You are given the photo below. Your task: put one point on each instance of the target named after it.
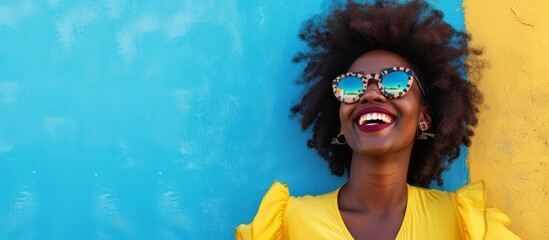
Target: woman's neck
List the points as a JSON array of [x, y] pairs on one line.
[[377, 184]]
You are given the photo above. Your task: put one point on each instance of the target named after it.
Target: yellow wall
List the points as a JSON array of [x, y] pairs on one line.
[[510, 151]]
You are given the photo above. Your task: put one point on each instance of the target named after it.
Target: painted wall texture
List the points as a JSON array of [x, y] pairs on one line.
[[148, 119], [510, 151]]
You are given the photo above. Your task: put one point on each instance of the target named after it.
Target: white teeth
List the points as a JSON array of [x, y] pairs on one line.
[[363, 119], [374, 116]]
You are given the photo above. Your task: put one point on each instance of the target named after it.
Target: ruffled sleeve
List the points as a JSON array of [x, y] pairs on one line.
[[267, 223], [481, 223]]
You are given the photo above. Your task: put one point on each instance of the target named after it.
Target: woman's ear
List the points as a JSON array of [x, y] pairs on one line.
[[425, 117]]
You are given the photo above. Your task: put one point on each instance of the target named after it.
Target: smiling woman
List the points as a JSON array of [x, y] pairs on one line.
[[401, 102]]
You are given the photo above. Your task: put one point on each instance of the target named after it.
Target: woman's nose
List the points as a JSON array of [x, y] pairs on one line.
[[372, 93]]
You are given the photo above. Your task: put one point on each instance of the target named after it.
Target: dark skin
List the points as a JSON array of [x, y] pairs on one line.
[[373, 202]]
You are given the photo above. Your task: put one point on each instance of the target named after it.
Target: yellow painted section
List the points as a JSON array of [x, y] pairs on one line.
[[510, 149]]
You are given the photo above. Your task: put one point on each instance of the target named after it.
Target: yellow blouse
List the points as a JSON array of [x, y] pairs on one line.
[[430, 214]]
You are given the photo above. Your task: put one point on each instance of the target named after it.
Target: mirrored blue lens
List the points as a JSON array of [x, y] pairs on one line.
[[395, 82], [350, 86]]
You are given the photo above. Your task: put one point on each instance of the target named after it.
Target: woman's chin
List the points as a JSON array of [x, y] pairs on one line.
[[372, 149]]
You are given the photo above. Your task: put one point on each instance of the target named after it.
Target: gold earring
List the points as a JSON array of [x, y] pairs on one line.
[[339, 139], [423, 126], [424, 135]]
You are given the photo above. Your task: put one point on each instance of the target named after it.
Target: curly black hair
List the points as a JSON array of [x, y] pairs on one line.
[[416, 32]]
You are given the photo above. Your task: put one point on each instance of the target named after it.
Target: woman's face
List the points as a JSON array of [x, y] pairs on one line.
[[400, 117]]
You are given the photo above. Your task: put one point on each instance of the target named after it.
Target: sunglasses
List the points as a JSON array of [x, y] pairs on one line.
[[392, 82]]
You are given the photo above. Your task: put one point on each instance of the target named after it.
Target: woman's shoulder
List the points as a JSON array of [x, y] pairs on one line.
[[278, 209], [310, 209], [311, 202], [469, 203]]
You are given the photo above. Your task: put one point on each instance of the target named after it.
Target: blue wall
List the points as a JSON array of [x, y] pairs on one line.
[[152, 119]]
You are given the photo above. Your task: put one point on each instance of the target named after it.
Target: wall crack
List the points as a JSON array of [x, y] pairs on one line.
[[520, 20]]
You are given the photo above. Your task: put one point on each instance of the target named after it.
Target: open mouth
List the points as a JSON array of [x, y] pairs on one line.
[[374, 119]]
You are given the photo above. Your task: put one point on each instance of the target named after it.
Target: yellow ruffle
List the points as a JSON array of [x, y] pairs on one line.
[[481, 223], [267, 223]]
